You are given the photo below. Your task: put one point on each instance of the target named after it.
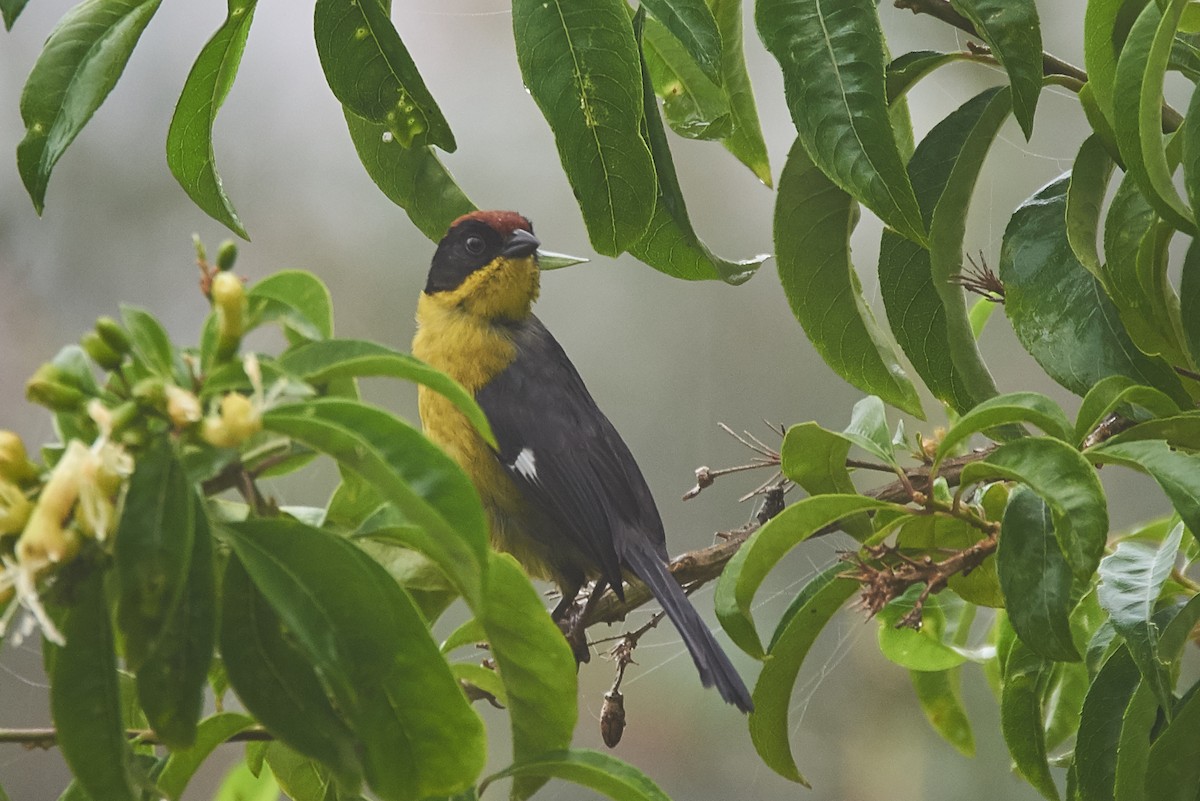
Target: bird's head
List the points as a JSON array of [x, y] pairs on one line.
[[486, 265]]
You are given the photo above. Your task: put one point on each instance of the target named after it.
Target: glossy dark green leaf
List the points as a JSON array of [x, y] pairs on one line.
[[813, 223], [1179, 431], [1106, 25], [1177, 473], [1100, 724], [1060, 312], [297, 299], [301, 778], [1021, 716], [85, 700], [695, 105], [692, 24], [10, 10], [1173, 769], [277, 683], [1131, 579], [769, 730], [670, 244], [1035, 578], [815, 458], [419, 736], [173, 677], [908, 68], [1137, 110], [591, 769], [152, 348], [926, 308], [1003, 410], [1064, 479], [580, 62], [1118, 393], [154, 546], [1012, 31], [535, 664], [1064, 699], [189, 139], [77, 68], [833, 69], [746, 142], [1190, 152], [407, 470], [762, 551], [915, 649], [1189, 300], [940, 695], [329, 360], [411, 177], [1090, 175], [371, 72], [181, 765]]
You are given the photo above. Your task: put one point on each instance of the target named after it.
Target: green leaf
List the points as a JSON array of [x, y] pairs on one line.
[[1035, 578], [1004, 410], [1063, 700], [813, 223], [1131, 579], [535, 664], [762, 551], [1106, 26], [172, 680], [77, 68], [370, 645], [372, 74], [322, 362], [579, 60], [1116, 393], [908, 68], [1025, 678], [833, 76], [915, 649], [746, 141], [1137, 110], [926, 307], [182, 765], [10, 10], [487, 680], [1189, 300], [301, 778], [940, 695], [1012, 31], [868, 429], [277, 683], [808, 615], [154, 545], [189, 139], [1191, 151], [693, 26], [1173, 770], [85, 700], [1100, 724], [296, 298], [408, 471], [1179, 431], [411, 177], [240, 784], [1085, 199], [1066, 482], [1060, 312], [152, 348], [695, 106], [1177, 473], [940, 534], [591, 769], [815, 458]]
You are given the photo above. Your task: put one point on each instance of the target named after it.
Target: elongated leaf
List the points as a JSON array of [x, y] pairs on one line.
[[1179, 431], [1085, 199], [591, 769], [536, 666], [1025, 677], [908, 68], [1106, 26], [1137, 110], [172, 680], [1068, 484], [297, 299], [1177, 473], [419, 735], [915, 649], [762, 551], [1014, 34], [793, 639], [1035, 578], [1189, 300], [10, 10], [1117, 392], [1060, 312], [1063, 701], [78, 66], [691, 22], [330, 360], [182, 765], [813, 223], [1191, 152], [695, 106], [85, 700], [277, 683], [407, 470], [833, 67], [1014, 407], [1131, 579], [580, 62], [152, 349], [189, 139], [1173, 770], [411, 177], [301, 778], [746, 141], [1100, 724], [940, 695], [371, 73], [815, 459], [154, 546]]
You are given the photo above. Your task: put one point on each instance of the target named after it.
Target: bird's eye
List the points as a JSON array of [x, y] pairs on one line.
[[475, 245]]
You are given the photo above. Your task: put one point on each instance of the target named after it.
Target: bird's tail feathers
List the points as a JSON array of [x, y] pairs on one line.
[[711, 661]]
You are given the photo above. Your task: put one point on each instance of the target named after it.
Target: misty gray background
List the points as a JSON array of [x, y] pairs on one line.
[[666, 359]]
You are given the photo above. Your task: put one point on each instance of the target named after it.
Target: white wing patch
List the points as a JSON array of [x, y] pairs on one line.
[[524, 465]]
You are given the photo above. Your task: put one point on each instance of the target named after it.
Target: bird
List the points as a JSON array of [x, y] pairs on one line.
[[562, 492]]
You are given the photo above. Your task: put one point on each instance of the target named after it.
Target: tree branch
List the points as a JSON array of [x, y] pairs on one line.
[[48, 738]]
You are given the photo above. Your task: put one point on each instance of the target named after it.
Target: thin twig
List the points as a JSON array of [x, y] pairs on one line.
[[48, 737]]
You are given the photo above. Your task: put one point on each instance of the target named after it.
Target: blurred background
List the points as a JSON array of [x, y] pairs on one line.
[[667, 360]]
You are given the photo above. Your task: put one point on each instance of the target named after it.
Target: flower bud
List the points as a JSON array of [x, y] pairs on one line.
[[227, 255], [114, 335], [229, 299], [48, 388], [100, 351], [183, 407], [150, 392], [238, 421], [14, 461], [44, 540], [15, 509]]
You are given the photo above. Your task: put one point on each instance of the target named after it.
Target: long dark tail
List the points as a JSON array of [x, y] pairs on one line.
[[712, 663]]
